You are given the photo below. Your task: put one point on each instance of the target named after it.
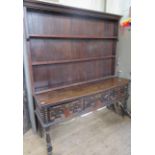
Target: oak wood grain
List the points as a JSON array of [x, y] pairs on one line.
[[71, 93]]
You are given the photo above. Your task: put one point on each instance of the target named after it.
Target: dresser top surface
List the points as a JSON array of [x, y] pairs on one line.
[[71, 93]]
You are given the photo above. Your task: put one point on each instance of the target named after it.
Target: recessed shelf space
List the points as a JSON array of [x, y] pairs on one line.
[[37, 91], [34, 36], [71, 61]]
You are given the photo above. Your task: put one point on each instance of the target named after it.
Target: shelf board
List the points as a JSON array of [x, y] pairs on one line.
[[71, 61], [72, 85], [34, 36]]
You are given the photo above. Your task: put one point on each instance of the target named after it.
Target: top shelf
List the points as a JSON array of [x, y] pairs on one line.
[[34, 36]]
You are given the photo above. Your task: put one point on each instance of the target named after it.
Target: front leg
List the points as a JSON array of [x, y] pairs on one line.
[[48, 141], [40, 129]]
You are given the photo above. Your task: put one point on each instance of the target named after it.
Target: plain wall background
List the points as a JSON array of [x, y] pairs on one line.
[[86, 4]]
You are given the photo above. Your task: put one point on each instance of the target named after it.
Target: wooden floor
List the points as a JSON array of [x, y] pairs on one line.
[[100, 133]]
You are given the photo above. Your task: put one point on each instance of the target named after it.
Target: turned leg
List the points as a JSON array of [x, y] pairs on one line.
[[48, 141], [126, 109], [40, 130]]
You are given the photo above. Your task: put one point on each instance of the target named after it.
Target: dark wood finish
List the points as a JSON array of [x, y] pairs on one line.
[[51, 76], [74, 84], [76, 48], [70, 61], [64, 104], [48, 141], [72, 56], [55, 50], [75, 92], [67, 37]]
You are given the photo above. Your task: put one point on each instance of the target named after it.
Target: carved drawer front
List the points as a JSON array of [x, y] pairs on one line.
[[65, 110], [97, 101], [84, 105], [105, 97], [93, 102], [56, 113], [73, 108]]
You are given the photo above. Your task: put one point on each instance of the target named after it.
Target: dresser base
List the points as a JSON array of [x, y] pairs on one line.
[[113, 97]]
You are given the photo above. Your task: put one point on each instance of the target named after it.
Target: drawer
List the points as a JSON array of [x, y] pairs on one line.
[[96, 101], [83, 105], [90, 101], [65, 110], [56, 113], [74, 106]]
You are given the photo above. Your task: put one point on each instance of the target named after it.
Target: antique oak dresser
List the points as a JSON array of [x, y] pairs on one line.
[[72, 55]]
